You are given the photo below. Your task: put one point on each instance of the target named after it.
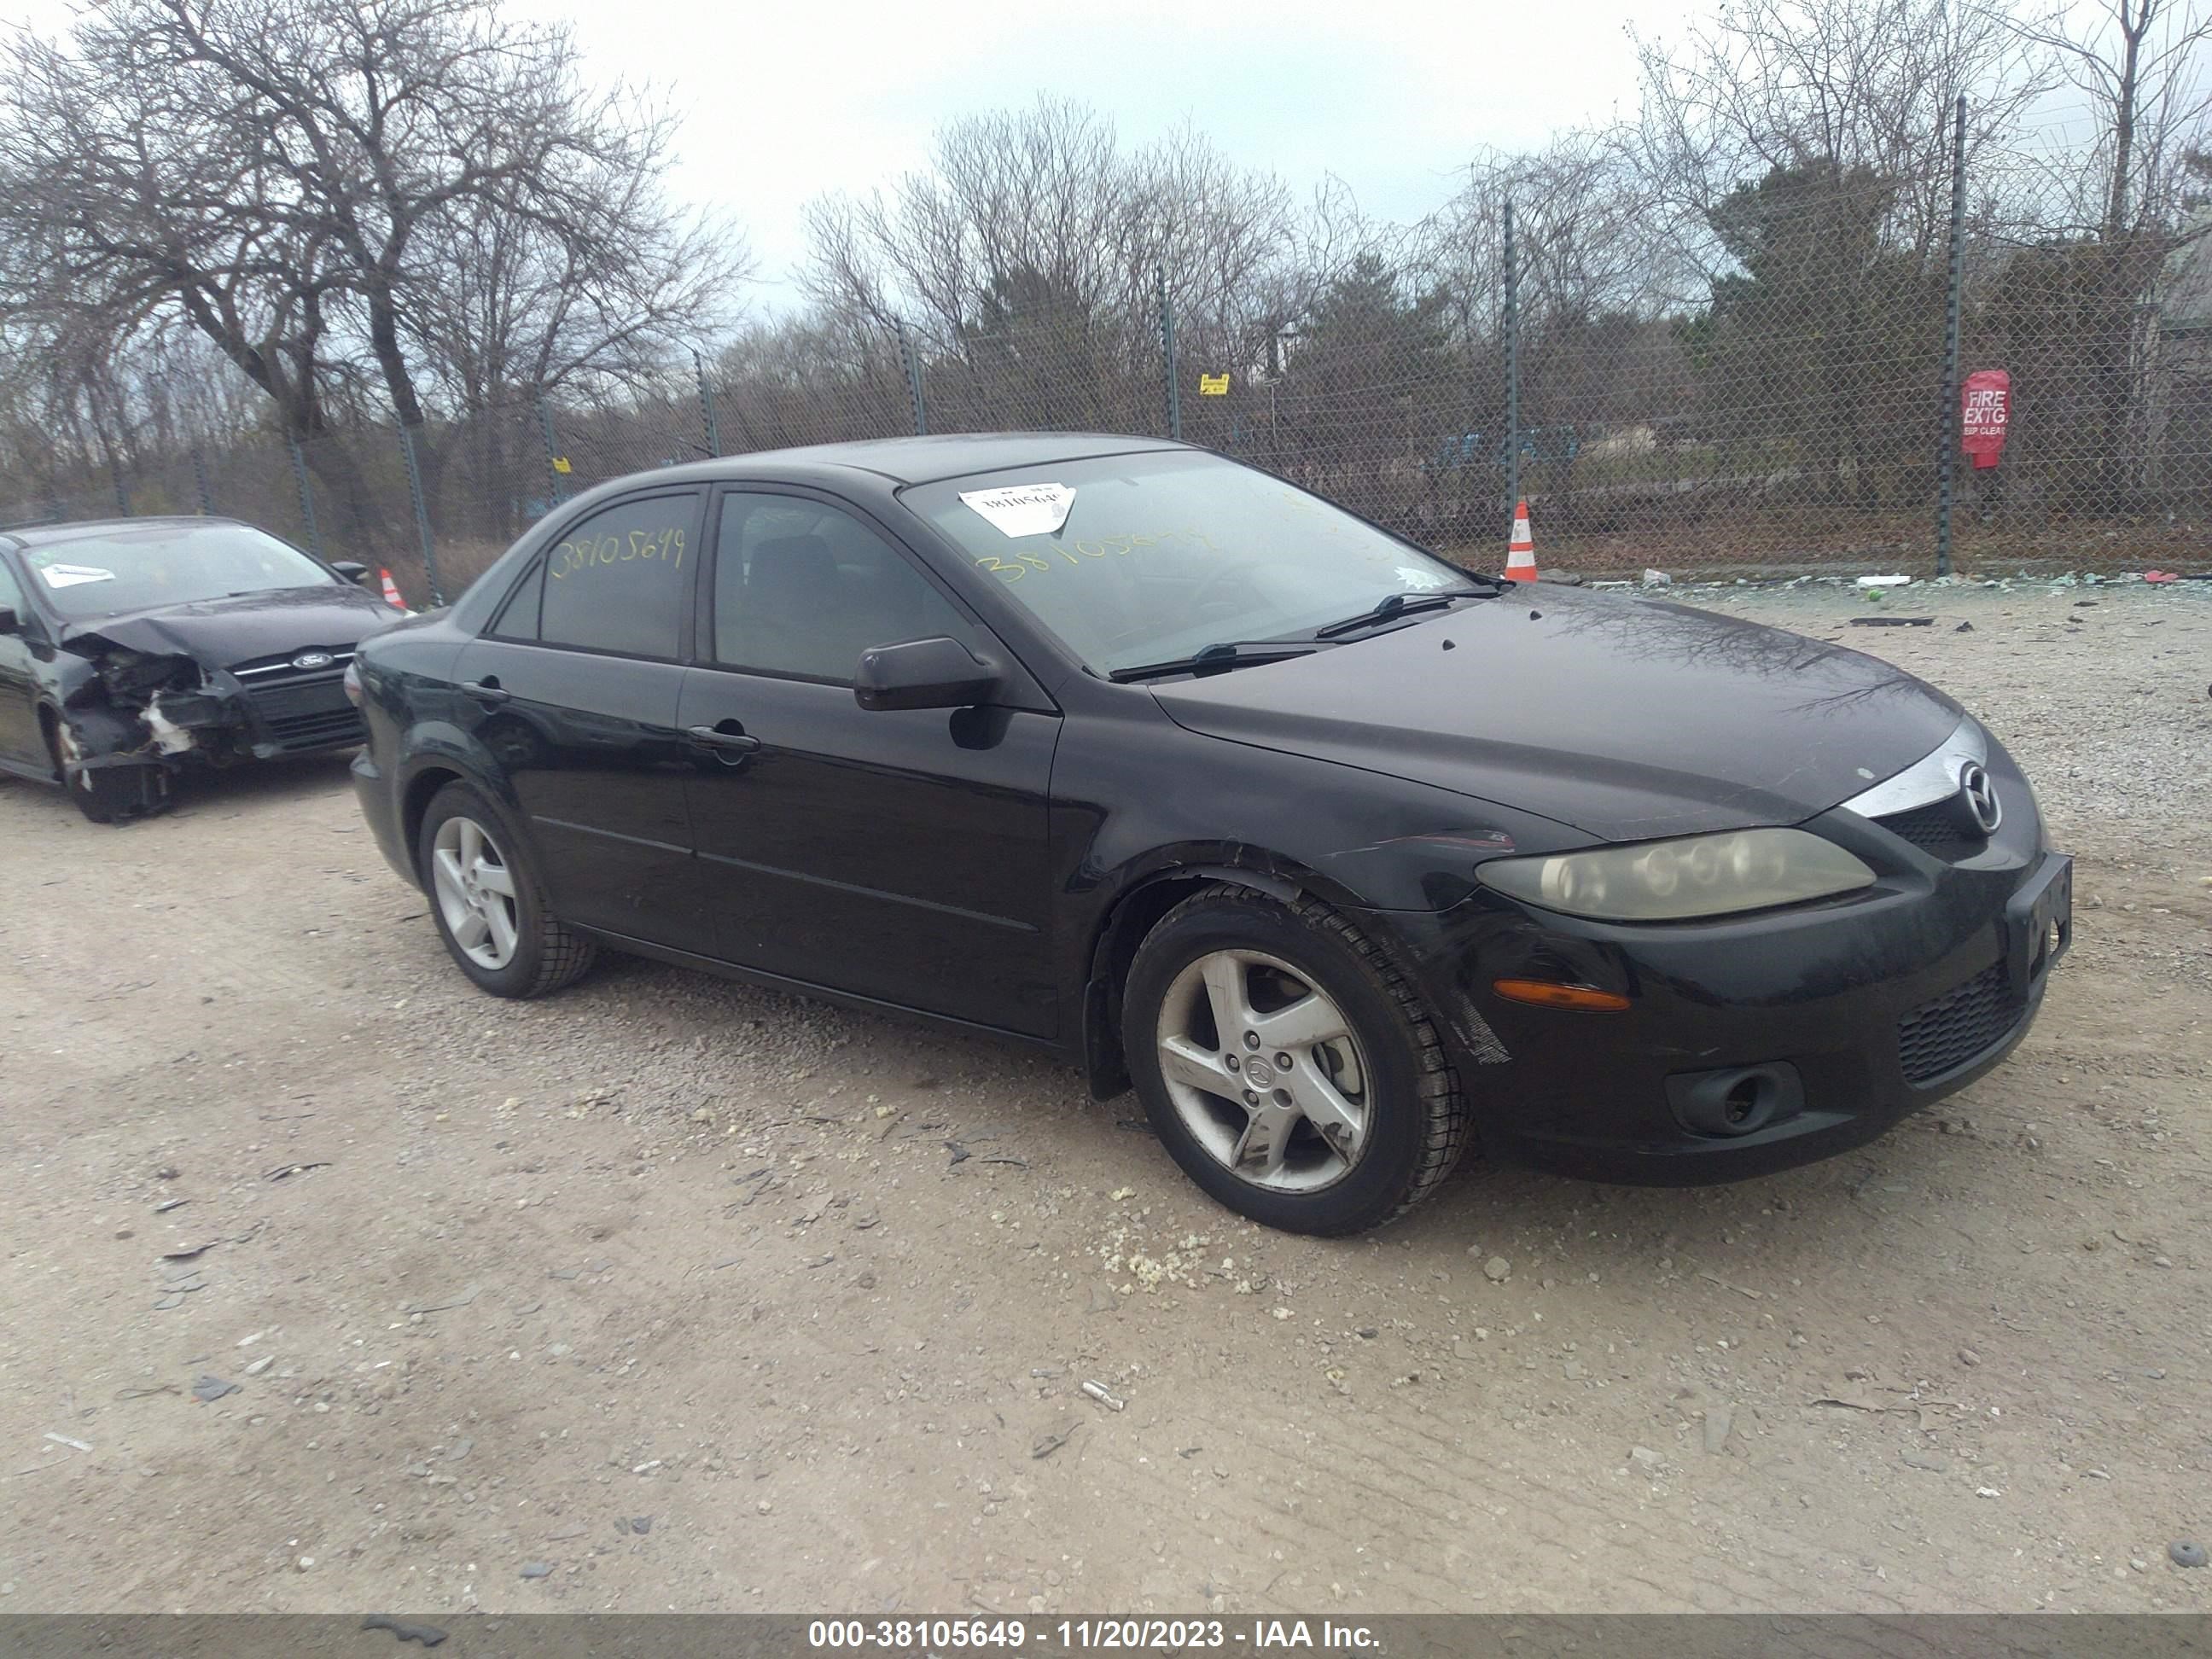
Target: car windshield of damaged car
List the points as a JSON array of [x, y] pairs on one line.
[[137, 567], [1137, 560]]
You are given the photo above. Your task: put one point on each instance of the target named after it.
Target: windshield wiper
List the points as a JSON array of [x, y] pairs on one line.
[[1217, 658], [1391, 607]]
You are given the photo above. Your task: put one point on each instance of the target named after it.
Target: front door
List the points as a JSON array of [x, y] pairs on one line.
[[22, 743], [572, 697], [898, 855]]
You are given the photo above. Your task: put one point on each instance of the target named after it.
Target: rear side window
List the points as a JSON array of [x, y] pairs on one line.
[[616, 581], [11, 596], [517, 620], [802, 588]]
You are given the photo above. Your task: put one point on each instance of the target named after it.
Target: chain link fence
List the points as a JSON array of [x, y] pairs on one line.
[[1791, 405]]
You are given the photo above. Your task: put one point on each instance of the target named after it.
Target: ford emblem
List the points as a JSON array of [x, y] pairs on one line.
[[310, 660]]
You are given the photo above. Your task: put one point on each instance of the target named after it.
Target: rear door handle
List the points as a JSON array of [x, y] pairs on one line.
[[708, 737], [486, 690]]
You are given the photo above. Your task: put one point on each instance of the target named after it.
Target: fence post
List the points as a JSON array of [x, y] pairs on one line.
[[122, 493], [200, 480], [552, 455], [1168, 358], [913, 367], [706, 407], [1948, 429], [307, 495], [1512, 367], [422, 512]]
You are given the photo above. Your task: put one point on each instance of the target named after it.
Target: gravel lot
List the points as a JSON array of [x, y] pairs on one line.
[[668, 1294]]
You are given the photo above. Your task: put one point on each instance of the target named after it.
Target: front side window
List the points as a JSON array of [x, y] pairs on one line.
[[120, 568], [802, 588], [616, 581], [1133, 559]]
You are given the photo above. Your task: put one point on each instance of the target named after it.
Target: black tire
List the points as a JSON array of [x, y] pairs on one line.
[[548, 954], [1417, 1121], [106, 795]]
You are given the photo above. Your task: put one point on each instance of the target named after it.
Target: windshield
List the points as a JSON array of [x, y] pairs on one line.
[[1138, 559], [136, 566]]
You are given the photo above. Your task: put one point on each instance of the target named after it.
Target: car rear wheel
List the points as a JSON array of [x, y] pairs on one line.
[[489, 903], [1287, 1066]]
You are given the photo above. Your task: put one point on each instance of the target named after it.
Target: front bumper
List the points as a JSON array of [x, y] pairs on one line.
[[1865, 1008]]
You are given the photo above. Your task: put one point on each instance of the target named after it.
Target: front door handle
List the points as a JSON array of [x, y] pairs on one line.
[[486, 690], [707, 737]]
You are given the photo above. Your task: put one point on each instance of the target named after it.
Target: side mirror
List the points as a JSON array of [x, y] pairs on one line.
[[352, 571], [933, 673], [10, 621]]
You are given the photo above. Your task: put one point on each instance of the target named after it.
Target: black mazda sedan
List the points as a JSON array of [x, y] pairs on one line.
[[131, 649], [1344, 858]]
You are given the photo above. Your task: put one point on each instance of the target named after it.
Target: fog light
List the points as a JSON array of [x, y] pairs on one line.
[[1738, 1101]]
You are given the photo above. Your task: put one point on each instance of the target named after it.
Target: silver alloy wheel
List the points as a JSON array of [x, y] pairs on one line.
[[476, 892], [1265, 1071]]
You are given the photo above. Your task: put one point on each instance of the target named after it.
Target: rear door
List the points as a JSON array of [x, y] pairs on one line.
[[899, 855], [573, 692]]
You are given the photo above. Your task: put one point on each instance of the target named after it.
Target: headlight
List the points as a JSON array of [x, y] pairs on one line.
[[1671, 880]]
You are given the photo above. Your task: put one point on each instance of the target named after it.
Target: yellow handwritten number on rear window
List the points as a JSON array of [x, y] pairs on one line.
[[664, 547]]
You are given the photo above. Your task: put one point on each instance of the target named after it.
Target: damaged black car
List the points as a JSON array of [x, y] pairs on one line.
[[134, 648]]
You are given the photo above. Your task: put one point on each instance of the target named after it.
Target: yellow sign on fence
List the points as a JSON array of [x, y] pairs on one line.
[[1213, 386], [560, 464]]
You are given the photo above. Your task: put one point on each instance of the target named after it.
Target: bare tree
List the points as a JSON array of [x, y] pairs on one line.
[[311, 184], [1861, 89], [2142, 65]]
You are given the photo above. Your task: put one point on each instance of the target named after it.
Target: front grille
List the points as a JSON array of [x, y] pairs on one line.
[[306, 711], [1936, 829], [278, 670], [1959, 1027]]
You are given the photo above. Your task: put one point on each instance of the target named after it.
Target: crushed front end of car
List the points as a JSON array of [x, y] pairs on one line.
[[139, 714]]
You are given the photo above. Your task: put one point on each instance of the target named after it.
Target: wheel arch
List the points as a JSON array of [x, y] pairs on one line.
[[422, 787], [1132, 915]]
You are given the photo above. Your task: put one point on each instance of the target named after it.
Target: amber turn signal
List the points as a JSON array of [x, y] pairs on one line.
[[1544, 993]]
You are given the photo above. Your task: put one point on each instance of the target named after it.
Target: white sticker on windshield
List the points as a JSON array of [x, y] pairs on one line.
[[1422, 581], [72, 575], [1030, 509]]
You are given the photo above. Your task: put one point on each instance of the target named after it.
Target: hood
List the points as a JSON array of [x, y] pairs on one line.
[[1625, 718], [222, 633]]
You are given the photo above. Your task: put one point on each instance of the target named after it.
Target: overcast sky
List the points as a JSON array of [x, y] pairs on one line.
[[785, 100]]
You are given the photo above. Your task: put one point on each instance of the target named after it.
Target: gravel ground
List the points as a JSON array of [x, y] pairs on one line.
[[335, 1284]]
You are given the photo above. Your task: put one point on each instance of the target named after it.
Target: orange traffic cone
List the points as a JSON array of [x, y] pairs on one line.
[[1520, 552], [390, 590]]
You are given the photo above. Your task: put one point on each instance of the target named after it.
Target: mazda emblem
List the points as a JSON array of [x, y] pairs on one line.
[[1977, 789], [310, 660]]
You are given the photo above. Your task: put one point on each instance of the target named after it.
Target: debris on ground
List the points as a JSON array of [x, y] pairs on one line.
[[536, 1569], [1884, 581], [208, 1388], [2183, 1553], [1099, 1392], [428, 1635], [1892, 622], [1053, 1439]]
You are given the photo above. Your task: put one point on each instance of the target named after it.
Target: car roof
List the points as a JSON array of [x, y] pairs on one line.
[[922, 460], [32, 535]]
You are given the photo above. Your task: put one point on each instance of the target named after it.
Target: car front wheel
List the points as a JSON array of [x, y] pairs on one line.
[[488, 903], [1287, 1066]]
